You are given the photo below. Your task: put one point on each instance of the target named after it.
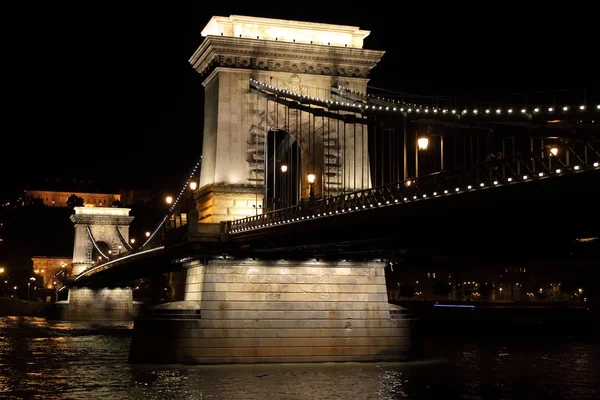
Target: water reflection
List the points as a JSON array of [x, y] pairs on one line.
[[57, 360]]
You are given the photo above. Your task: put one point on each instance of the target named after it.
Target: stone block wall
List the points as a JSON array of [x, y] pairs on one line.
[[277, 311], [99, 305]]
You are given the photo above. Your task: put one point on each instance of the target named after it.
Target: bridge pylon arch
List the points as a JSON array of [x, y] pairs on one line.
[[99, 230], [301, 57]]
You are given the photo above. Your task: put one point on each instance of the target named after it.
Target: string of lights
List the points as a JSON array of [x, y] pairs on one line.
[[412, 108], [262, 221], [174, 204]]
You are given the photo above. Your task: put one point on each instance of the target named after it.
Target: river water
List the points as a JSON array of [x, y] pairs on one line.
[[42, 359]]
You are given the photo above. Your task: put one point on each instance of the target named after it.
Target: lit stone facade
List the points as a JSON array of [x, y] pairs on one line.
[[306, 58], [245, 311], [109, 225], [98, 305], [59, 199], [51, 269]]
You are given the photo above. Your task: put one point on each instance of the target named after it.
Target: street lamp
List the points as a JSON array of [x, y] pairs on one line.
[[422, 144], [193, 211], [169, 199], [311, 180], [284, 197], [29, 286], [132, 240], [147, 233]]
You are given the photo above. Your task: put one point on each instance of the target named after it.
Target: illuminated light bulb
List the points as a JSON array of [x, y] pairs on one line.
[[582, 107], [469, 187], [510, 179], [554, 151], [445, 191], [475, 111], [523, 111], [596, 164], [551, 109], [464, 111], [482, 184], [536, 110], [558, 171], [453, 111], [457, 189], [444, 111], [524, 176], [510, 110], [487, 111], [576, 168], [565, 108], [495, 182], [598, 107]]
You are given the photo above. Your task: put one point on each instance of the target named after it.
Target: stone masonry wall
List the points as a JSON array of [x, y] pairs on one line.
[[278, 311]]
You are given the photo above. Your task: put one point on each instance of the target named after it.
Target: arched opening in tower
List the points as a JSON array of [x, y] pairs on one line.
[[96, 256], [283, 171]]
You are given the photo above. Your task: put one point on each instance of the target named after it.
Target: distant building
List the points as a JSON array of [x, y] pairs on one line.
[[51, 269], [59, 199], [55, 192]]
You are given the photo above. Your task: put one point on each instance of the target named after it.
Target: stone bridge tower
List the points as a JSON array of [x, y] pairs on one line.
[[302, 57], [98, 232]]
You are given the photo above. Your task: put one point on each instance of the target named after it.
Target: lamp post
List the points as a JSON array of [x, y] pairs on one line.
[[29, 286], [193, 211], [422, 144], [284, 198], [311, 185]]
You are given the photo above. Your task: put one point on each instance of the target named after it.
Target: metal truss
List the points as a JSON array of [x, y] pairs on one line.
[[532, 166]]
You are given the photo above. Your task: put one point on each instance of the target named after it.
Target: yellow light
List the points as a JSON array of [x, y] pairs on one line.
[[1, 270], [284, 168], [147, 234], [423, 142], [132, 240], [554, 151], [311, 178], [169, 199], [193, 185]]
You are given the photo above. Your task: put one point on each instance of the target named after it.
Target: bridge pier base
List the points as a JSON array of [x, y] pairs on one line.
[[85, 304], [246, 311]]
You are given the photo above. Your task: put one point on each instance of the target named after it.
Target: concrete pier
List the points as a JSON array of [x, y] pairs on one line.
[[252, 311], [86, 304]]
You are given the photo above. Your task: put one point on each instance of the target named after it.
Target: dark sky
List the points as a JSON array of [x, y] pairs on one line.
[[105, 91]]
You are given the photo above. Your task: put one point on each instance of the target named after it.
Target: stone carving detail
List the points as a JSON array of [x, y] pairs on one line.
[[293, 85]]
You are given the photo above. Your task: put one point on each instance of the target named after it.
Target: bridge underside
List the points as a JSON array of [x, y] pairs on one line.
[[530, 217]]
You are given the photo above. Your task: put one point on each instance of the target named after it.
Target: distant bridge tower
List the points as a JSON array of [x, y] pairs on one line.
[[99, 231], [240, 166]]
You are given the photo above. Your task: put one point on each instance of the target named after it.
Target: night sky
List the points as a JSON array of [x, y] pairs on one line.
[[106, 92]]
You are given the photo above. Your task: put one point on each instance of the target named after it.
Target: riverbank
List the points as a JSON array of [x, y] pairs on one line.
[[11, 306]]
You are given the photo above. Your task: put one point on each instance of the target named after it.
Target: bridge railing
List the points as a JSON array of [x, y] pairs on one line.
[[535, 165]]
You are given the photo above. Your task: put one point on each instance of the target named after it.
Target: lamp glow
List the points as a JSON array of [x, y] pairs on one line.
[[311, 178], [422, 143]]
